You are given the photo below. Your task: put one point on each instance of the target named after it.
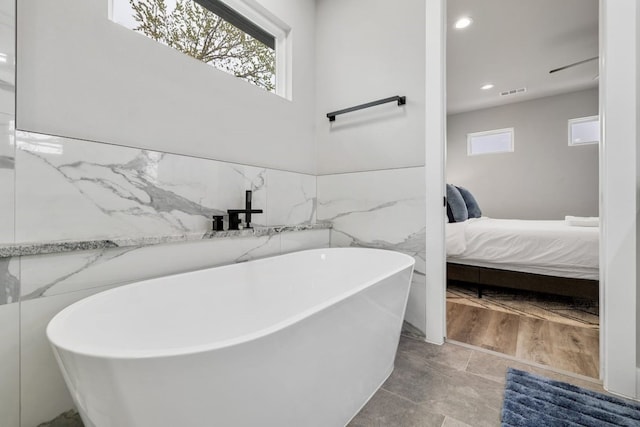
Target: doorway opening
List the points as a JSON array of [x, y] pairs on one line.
[[523, 236]]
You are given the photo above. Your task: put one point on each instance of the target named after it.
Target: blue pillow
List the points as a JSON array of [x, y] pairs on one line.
[[450, 217], [472, 205], [473, 208], [456, 204]]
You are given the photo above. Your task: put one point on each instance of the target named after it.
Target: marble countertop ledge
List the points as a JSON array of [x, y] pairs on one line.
[[41, 248]]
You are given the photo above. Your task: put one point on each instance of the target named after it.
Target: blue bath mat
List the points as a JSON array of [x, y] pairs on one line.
[[531, 400]]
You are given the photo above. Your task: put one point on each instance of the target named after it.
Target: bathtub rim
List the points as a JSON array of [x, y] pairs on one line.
[[218, 345]]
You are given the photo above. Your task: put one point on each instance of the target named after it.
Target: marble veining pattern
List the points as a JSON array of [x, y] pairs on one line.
[[68, 189], [291, 201], [46, 275], [7, 162], [380, 209], [54, 271], [9, 280]]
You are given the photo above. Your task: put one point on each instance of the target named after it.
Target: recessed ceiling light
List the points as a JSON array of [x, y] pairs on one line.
[[463, 22], [487, 86]]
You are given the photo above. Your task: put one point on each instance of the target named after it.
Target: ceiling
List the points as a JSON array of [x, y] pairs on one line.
[[514, 44]]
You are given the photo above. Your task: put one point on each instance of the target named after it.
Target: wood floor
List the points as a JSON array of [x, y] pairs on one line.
[[562, 346]]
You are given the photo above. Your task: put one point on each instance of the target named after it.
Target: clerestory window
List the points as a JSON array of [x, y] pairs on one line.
[[216, 33]]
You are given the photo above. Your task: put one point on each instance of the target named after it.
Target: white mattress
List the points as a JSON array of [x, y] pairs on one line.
[[542, 247]]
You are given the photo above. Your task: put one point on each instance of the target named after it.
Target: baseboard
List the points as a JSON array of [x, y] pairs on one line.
[[637, 396]]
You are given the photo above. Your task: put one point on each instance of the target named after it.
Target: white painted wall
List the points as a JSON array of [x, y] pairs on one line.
[[544, 177], [638, 200], [83, 76], [436, 153], [619, 199], [368, 50], [362, 57]]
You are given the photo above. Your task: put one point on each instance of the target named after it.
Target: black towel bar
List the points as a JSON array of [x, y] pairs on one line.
[[401, 101]]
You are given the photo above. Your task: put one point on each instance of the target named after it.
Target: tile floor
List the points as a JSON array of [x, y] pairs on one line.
[[445, 386], [439, 386]]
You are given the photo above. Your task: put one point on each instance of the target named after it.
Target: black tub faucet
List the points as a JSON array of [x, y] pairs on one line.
[[217, 223], [234, 214]]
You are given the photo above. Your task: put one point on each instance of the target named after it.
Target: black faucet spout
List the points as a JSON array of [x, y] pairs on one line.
[[234, 217], [234, 214]]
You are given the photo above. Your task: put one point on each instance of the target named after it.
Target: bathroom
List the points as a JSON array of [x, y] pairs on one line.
[[116, 151], [144, 144]]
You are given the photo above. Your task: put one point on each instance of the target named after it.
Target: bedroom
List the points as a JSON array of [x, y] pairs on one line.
[[540, 176]]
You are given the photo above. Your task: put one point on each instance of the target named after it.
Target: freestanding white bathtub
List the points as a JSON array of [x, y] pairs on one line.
[[303, 339]]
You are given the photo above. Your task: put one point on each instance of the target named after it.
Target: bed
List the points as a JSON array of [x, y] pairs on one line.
[[542, 256]]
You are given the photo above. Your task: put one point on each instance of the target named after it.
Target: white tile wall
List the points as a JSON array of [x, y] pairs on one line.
[[9, 271], [43, 393], [291, 199], [9, 365], [380, 209], [7, 160], [7, 61], [51, 282], [299, 241], [71, 189], [9, 280], [45, 275]]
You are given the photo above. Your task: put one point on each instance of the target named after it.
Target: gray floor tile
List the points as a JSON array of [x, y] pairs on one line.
[[450, 422], [444, 390], [388, 410], [495, 368], [453, 356], [68, 419]]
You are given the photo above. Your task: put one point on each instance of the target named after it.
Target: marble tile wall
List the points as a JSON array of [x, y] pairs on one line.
[[9, 365], [67, 189], [7, 118], [7, 56], [9, 271], [7, 162], [72, 189], [380, 209], [43, 393], [54, 274], [51, 282]]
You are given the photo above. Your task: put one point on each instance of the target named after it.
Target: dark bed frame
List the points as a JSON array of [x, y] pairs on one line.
[[482, 276]]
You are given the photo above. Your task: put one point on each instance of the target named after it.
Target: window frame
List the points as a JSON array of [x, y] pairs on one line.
[[260, 18], [570, 122], [472, 135], [265, 19]]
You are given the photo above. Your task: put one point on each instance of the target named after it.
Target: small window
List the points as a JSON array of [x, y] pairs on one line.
[[584, 130], [216, 34], [490, 142]]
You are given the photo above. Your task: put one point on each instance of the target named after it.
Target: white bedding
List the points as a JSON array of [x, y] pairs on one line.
[[543, 247]]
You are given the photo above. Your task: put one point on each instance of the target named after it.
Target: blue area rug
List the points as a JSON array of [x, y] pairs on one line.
[[531, 400]]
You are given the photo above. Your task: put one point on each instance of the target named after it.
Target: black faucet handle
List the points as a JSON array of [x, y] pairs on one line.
[[243, 211], [234, 219], [217, 223]]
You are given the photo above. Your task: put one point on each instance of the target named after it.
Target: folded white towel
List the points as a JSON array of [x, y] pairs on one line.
[[582, 221]]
